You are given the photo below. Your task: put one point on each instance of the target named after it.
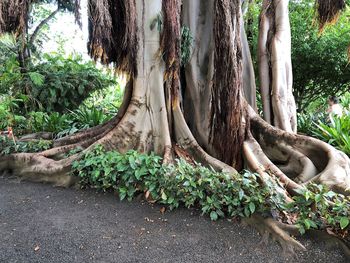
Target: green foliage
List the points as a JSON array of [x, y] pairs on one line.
[[48, 122], [318, 208], [335, 133], [307, 122], [58, 124], [8, 118], [333, 130], [62, 124], [320, 62], [8, 146], [186, 45], [218, 194], [55, 83], [67, 82]]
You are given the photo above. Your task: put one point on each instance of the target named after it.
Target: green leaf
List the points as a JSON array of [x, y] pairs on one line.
[[164, 197], [318, 198], [240, 194], [213, 216], [252, 207], [36, 78], [246, 211], [344, 222], [301, 229]]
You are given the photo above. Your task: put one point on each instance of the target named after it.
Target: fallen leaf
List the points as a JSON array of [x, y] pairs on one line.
[[162, 210], [36, 248]]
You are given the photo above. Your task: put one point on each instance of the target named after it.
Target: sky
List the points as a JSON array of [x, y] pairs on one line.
[[65, 27]]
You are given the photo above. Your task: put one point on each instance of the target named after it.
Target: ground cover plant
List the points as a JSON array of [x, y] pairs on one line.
[[217, 194]]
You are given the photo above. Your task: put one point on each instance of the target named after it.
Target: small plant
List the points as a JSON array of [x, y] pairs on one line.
[[319, 208], [217, 194], [86, 117], [336, 133], [9, 146], [55, 83]]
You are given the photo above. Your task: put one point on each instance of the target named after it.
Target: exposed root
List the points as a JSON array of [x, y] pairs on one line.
[[186, 140], [168, 155], [321, 163], [37, 136], [332, 240], [258, 162], [268, 227], [37, 168]]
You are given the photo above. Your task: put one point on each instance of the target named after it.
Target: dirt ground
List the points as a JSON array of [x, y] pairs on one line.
[[40, 223]]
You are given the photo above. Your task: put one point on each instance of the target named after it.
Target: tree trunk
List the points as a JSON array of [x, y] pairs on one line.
[[275, 66]]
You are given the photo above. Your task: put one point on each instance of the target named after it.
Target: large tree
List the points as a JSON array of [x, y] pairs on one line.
[[205, 109]]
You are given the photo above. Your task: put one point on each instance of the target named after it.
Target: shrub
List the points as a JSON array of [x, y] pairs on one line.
[[8, 146], [318, 208], [8, 117], [336, 133], [66, 82], [54, 84], [217, 194]]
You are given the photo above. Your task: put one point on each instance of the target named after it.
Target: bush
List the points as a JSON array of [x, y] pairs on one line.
[[336, 133], [8, 117], [8, 146], [66, 82], [54, 84], [60, 124], [317, 208], [218, 194]]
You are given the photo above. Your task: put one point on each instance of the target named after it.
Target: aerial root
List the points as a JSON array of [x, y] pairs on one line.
[[269, 227]]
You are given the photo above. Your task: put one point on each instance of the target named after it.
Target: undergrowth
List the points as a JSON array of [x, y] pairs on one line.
[[217, 194], [8, 146]]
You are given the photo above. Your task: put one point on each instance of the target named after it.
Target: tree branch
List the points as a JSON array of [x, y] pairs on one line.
[[40, 26]]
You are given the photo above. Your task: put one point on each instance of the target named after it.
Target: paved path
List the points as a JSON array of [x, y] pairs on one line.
[[40, 223]]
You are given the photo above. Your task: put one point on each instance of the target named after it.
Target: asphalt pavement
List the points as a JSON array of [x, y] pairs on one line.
[[41, 223]]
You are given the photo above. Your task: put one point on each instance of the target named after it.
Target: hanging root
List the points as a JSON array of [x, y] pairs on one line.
[[328, 12], [226, 106], [13, 16], [113, 34]]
